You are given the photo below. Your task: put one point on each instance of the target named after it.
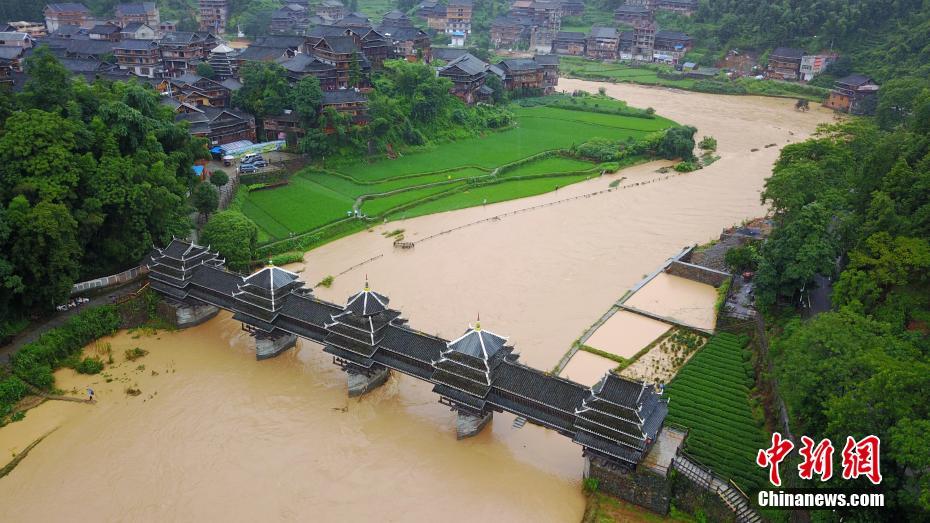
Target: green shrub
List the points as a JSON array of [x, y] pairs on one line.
[[135, 353], [287, 257], [35, 362], [708, 143], [326, 282], [686, 167], [591, 485], [89, 366]]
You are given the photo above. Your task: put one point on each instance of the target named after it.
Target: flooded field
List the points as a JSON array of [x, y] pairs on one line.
[[681, 299], [587, 368], [217, 436], [626, 333]]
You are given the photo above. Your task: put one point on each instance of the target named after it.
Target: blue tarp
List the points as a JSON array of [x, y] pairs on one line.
[[198, 170], [216, 150]]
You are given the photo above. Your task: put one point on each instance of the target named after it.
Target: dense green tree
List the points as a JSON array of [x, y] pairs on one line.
[[234, 235], [355, 71], [796, 252], [91, 176], [206, 70], [265, 90], [677, 142], [500, 94], [219, 178], [307, 100], [205, 198]]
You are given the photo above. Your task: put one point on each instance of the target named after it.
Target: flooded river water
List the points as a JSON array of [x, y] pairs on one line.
[[215, 435]]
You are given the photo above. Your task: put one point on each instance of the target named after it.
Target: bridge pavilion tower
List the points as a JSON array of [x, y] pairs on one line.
[[463, 375], [259, 299], [353, 337], [170, 271]]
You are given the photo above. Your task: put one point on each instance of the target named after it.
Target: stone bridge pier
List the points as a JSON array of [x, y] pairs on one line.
[[271, 345], [361, 381], [468, 424], [187, 313]]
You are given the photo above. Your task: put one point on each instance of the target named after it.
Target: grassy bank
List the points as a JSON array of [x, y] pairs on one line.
[[519, 162], [662, 75]]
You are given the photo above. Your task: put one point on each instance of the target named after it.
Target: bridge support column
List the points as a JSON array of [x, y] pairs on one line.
[[361, 382], [468, 425], [183, 315], [271, 345]]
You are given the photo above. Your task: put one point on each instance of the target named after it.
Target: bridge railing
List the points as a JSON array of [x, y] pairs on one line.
[[109, 281]]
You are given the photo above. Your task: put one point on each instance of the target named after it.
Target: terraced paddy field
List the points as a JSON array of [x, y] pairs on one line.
[[449, 176], [710, 396]]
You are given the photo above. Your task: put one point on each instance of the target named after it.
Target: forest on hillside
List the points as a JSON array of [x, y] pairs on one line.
[[853, 204]]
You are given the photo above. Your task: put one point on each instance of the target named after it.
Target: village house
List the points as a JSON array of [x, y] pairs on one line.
[[290, 18], [304, 65], [812, 65], [268, 49], [285, 126], [213, 15], [603, 43], [14, 39], [108, 31], [168, 26], [468, 75], [671, 46], [138, 31], [550, 67], [458, 16], [854, 94], [331, 10], [340, 52], [547, 18], [142, 13], [396, 18], [11, 60], [434, 13], [570, 43], [512, 32], [141, 57], [219, 125], [685, 7], [354, 19], [351, 102], [784, 64], [77, 14], [80, 47], [33, 29], [627, 14], [179, 49], [196, 90], [521, 74], [409, 43], [374, 46], [572, 7]]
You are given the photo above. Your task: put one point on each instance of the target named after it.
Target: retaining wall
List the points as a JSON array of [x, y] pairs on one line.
[[641, 487], [697, 273]]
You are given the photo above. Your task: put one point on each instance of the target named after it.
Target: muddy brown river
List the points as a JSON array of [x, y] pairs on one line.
[[215, 435]]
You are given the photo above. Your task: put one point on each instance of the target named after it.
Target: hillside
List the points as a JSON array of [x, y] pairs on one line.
[[883, 39]]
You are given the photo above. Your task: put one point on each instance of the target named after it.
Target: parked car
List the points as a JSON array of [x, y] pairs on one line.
[[247, 168], [252, 158]]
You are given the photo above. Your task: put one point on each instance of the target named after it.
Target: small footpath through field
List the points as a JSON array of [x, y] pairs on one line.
[[495, 167]]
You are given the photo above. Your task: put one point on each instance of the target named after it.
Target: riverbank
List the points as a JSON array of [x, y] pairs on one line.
[[282, 432]]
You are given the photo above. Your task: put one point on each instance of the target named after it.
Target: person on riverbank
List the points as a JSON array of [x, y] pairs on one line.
[[90, 394]]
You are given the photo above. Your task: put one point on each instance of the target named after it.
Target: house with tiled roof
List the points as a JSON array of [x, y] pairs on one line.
[[68, 13], [468, 74]]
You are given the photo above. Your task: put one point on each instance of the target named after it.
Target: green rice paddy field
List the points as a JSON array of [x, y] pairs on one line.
[[574, 66], [388, 188]]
